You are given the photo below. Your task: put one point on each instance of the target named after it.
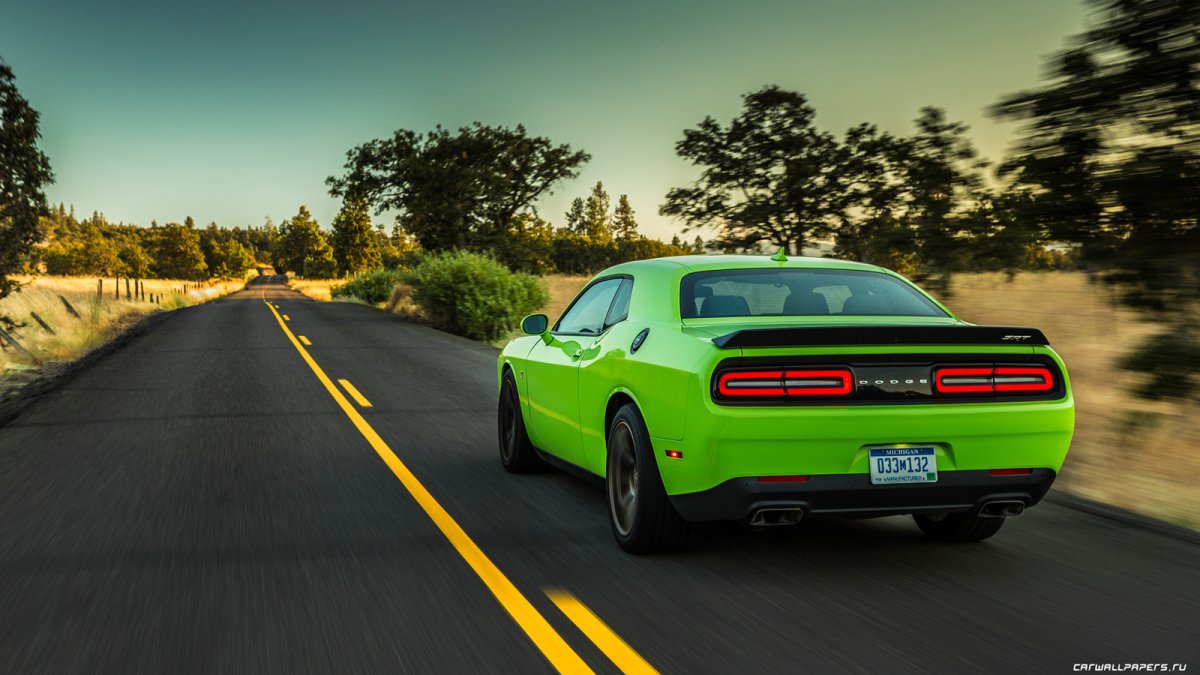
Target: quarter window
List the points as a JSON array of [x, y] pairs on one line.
[[586, 315]]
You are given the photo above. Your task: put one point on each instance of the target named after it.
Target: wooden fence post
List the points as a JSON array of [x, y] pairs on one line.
[[16, 345], [99, 289], [42, 323], [128, 293], [117, 287], [68, 306]]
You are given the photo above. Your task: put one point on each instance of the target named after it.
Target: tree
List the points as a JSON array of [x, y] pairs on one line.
[[457, 190], [24, 173], [355, 244], [575, 219], [176, 252], [941, 174], [597, 221], [1109, 154], [769, 175], [624, 225], [302, 249]]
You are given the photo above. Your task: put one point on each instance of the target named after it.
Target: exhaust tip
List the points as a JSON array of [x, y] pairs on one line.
[[1005, 508], [775, 517]]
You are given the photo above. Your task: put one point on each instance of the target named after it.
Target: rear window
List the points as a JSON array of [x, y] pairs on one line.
[[800, 292]]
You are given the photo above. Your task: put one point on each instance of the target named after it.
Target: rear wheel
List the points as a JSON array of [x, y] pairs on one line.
[[642, 517], [958, 527], [517, 453]]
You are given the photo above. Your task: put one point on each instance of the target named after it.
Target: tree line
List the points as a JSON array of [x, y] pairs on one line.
[[1104, 175]]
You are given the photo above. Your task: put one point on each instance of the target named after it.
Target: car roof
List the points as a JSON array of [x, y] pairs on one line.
[[700, 263]]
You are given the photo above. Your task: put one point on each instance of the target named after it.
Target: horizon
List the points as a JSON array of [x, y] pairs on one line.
[[233, 114]]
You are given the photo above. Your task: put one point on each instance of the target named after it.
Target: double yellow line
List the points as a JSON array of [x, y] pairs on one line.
[[539, 630]]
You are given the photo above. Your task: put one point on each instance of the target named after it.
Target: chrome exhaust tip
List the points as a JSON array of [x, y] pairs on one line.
[[1004, 508], [775, 517]]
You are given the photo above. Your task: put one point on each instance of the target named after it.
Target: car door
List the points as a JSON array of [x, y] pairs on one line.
[[552, 371]]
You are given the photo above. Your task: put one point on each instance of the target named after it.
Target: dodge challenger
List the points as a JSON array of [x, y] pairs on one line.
[[767, 389]]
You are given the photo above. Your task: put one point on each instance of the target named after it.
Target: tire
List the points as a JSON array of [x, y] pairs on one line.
[[517, 453], [642, 517], [958, 527]]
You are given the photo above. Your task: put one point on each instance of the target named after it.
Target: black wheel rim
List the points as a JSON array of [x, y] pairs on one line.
[[622, 477]]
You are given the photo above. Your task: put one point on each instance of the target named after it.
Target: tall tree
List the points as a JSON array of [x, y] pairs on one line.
[[355, 243], [24, 173], [457, 190], [302, 249], [176, 252], [1110, 154], [943, 178], [624, 224], [575, 219], [770, 175], [597, 219]]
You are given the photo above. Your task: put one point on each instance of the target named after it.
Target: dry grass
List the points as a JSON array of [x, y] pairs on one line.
[[317, 289], [1132, 453], [99, 320]]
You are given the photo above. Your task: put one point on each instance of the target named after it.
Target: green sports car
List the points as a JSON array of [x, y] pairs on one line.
[[765, 389]]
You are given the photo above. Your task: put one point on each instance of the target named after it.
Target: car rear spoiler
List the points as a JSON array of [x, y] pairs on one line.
[[796, 336]]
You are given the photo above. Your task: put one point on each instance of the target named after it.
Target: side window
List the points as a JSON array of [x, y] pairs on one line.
[[620, 306], [587, 315]]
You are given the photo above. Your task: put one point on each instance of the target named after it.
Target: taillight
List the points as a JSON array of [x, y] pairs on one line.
[[836, 382], [786, 383], [963, 380], [1024, 378], [1000, 379], [751, 383]]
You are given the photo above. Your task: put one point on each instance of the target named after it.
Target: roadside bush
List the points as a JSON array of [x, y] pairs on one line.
[[371, 287], [473, 295]]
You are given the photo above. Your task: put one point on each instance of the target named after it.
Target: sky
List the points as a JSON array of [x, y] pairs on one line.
[[232, 111]]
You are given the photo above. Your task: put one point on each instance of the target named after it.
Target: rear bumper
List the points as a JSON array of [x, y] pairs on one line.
[[854, 495]]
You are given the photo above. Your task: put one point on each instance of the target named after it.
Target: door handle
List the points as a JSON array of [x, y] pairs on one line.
[[578, 353]]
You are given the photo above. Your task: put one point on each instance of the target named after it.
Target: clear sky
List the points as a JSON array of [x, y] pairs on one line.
[[232, 110]]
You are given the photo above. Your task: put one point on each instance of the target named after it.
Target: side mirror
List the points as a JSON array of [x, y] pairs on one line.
[[535, 324]]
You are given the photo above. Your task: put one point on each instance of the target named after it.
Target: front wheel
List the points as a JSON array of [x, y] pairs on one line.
[[958, 527], [642, 517], [517, 453]]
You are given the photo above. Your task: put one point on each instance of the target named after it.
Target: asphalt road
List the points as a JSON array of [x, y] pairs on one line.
[[198, 501]]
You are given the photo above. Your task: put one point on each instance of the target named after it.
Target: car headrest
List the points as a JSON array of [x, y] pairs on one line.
[[806, 304], [724, 305], [867, 305]]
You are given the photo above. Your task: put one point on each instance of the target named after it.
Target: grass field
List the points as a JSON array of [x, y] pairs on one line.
[[1128, 452], [99, 318]]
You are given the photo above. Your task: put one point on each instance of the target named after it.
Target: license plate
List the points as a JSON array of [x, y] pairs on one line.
[[903, 465]]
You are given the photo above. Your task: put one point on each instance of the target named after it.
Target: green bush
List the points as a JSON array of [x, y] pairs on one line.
[[474, 295], [371, 287]]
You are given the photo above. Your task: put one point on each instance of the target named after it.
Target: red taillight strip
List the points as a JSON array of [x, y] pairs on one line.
[[1037, 378], [818, 382], [963, 380], [823, 382], [751, 383]]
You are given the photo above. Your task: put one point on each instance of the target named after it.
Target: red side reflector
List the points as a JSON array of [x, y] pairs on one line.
[[782, 479], [963, 380], [1010, 472], [675, 454], [1035, 378], [818, 382]]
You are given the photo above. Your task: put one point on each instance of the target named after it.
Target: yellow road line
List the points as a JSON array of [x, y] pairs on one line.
[[355, 394], [616, 649], [543, 635], [286, 317], [304, 340]]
